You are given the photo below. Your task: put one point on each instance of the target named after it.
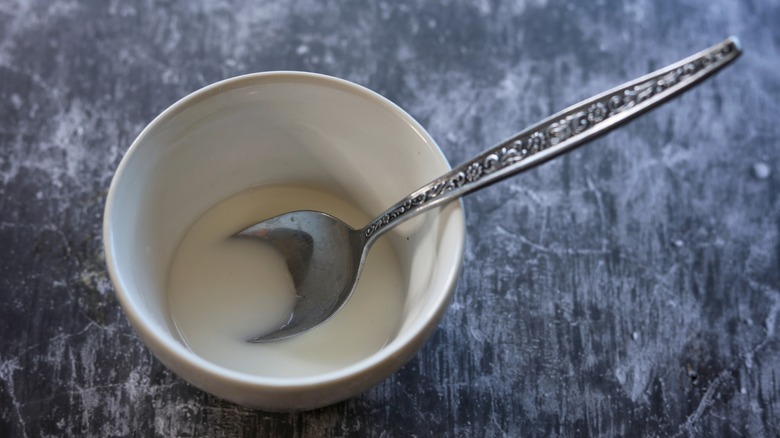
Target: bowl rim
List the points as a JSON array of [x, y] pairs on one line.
[[180, 355]]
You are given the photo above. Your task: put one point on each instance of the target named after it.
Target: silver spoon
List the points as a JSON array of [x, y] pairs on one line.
[[325, 255]]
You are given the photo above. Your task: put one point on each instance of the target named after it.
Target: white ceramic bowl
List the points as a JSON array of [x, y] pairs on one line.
[[277, 128]]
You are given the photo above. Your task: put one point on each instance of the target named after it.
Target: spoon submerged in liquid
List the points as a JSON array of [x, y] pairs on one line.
[[325, 256]]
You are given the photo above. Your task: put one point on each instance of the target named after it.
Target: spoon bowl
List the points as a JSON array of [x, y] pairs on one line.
[[314, 262], [325, 255]]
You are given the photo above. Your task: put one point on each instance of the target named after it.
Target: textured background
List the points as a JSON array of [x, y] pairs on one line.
[[629, 288]]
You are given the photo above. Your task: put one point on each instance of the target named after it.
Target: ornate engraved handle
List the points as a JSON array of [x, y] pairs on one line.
[[559, 133]]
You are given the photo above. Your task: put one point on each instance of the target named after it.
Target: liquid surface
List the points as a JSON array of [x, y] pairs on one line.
[[223, 291]]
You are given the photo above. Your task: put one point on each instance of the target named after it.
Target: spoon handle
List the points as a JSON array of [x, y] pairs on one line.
[[559, 133]]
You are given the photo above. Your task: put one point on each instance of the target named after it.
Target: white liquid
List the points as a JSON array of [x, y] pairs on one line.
[[223, 291]]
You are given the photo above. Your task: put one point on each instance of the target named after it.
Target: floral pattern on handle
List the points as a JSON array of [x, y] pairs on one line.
[[560, 128]]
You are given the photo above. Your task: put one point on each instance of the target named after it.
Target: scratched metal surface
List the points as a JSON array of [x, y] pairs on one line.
[[629, 288]]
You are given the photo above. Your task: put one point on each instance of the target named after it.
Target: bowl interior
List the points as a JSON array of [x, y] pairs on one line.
[[276, 128]]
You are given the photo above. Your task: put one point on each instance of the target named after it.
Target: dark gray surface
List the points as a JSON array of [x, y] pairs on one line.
[[629, 288]]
